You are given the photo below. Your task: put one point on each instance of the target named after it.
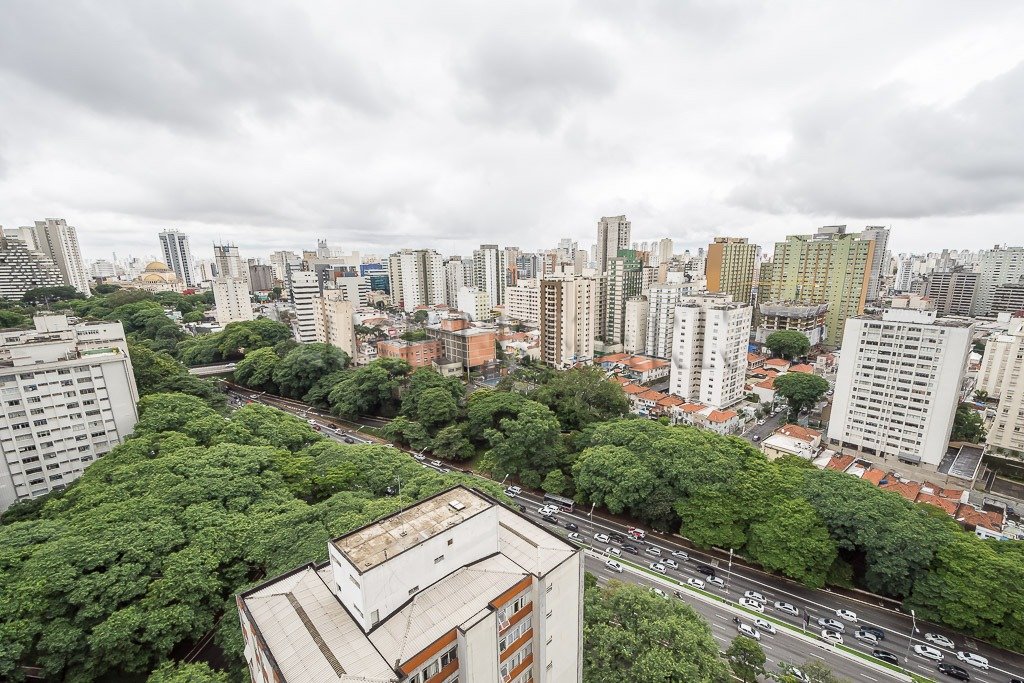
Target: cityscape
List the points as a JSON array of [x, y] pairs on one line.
[[769, 433]]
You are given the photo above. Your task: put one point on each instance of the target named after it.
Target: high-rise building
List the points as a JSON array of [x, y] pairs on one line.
[[22, 268], [809, 320], [69, 397], [729, 267], [664, 250], [879, 257], [904, 274], [261, 277], [997, 266], [831, 266], [490, 272], [709, 349], [231, 299], [332, 320], [634, 335], [953, 292], [1008, 298], [284, 261], [58, 240], [458, 273], [455, 587], [663, 300], [177, 254], [612, 234], [622, 281], [568, 320], [475, 303], [898, 384], [229, 262], [303, 291], [522, 302], [1002, 376], [417, 278]]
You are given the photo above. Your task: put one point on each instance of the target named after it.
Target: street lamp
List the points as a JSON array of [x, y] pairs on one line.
[[910, 636], [591, 539], [398, 479], [728, 574]]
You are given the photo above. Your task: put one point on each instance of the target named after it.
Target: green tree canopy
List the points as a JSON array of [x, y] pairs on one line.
[[297, 372], [369, 390], [788, 343], [528, 445], [156, 372], [256, 370], [800, 389], [746, 658], [967, 424], [199, 672], [792, 539], [451, 443], [582, 396], [42, 295]]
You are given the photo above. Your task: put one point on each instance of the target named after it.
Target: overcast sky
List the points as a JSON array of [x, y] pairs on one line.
[[379, 125]]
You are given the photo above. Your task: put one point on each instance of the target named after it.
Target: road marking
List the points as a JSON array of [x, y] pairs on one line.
[[870, 678]]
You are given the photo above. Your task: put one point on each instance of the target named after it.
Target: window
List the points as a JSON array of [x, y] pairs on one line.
[[439, 558]]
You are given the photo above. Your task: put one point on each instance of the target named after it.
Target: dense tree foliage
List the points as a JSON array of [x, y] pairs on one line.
[[48, 295], [233, 342], [142, 554], [200, 672], [298, 371], [788, 343], [746, 659], [156, 372], [630, 634], [967, 424], [801, 390], [582, 396]]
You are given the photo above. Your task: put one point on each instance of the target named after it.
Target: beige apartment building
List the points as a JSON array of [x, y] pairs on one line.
[[729, 267], [568, 320]]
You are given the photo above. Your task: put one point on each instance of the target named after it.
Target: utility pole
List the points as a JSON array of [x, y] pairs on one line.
[[910, 636], [728, 574]]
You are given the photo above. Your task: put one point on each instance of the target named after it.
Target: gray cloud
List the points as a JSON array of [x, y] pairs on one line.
[[876, 154]]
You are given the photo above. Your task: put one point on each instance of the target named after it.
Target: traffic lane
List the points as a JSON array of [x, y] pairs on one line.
[[771, 423], [779, 648], [805, 598]]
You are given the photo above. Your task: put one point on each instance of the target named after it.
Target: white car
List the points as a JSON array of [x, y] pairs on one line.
[[658, 567], [660, 593], [601, 538], [752, 604], [765, 625], [760, 422], [695, 583], [614, 566], [651, 550], [716, 581], [679, 554], [573, 536], [672, 564], [754, 595], [312, 422], [638, 534], [928, 652], [846, 615], [749, 631], [864, 636], [421, 458], [786, 607], [940, 640], [832, 625], [513, 490], [831, 637], [436, 463], [972, 659], [612, 550], [547, 510]]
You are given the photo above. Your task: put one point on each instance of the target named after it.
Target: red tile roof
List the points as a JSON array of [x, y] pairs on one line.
[[612, 358], [671, 401], [766, 384], [839, 463], [798, 432], [949, 506], [778, 362], [803, 367], [755, 357], [910, 490], [971, 516], [721, 415], [634, 389], [652, 395], [874, 475], [693, 407], [619, 379]]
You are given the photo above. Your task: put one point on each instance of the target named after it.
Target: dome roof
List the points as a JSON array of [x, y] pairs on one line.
[[157, 267]]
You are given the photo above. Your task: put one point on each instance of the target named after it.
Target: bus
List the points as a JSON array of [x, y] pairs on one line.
[[566, 504]]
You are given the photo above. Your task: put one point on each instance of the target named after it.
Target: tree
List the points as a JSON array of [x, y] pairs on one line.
[[451, 443], [800, 389], [297, 372], [436, 407], [10, 319], [156, 373], [630, 634], [582, 396], [792, 538], [529, 445], [746, 658], [198, 672], [44, 295], [555, 482], [369, 390], [967, 424], [817, 672], [787, 343], [420, 382], [256, 370], [420, 316], [413, 335]]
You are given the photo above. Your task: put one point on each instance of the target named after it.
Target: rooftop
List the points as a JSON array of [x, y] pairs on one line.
[[798, 432], [802, 367], [721, 415]]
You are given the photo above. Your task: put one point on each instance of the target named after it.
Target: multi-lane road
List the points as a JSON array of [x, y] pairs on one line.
[[815, 603]]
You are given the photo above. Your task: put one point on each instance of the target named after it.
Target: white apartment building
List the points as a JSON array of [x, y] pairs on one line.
[[612, 234], [522, 302], [475, 303], [333, 322], [67, 396], [177, 254], [417, 278], [304, 289], [231, 299], [999, 364], [879, 258], [568, 320], [23, 268], [634, 338], [898, 385], [229, 262], [455, 588], [663, 299], [283, 262], [490, 271], [709, 350], [58, 240], [997, 266], [458, 273]]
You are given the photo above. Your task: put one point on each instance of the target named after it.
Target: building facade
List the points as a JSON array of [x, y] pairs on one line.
[[663, 300], [1002, 375], [729, 267], [522, 302], [303, 291], [475, 303], [621, 282], [231, 299], [455, 588], [261, 277], [417, 278], [997, 266], [58, 240], [634, 335], [419, 354], [23, 268], [898, 385], [178, 255], [490, 271], [612, 234], [1008, 298], [568, 320], [333, 321], [460, 342], [879, 257], [709, 350], [67, 396], [953, 292], [808, 319]]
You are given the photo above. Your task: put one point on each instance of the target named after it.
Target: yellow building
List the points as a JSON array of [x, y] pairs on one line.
[[730, 267]]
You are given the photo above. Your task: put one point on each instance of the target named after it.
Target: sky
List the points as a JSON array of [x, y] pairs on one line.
[[378, 126]]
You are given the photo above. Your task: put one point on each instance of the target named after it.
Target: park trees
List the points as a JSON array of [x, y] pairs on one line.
[[801, 390], [582, 396], [746, 659], [256, 370], [304, 365], [528, 445], [788, 343]]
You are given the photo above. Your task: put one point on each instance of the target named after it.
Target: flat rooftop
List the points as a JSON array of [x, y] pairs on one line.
[[374, 544]]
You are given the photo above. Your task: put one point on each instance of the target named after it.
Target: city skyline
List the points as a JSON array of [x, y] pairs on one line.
[[695, 122]]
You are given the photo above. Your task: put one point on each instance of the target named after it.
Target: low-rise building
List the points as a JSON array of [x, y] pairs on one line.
[[723, 422], [792, 439], [463, 343], [641, 369], [809, 320], [418, 354]]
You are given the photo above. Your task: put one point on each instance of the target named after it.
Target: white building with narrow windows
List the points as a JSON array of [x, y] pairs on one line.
[[58, 240], [455, 588], [898, 385], [67, 396], [333, 323]]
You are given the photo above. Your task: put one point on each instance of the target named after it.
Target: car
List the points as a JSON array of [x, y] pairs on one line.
[[754, 595], [651, 550], [631, 549], [765, 625], [612, 550], [616, 537], [793, 672], [977, 661], [547, 510], [831, 624], [349, 439], [705, 569], [954, 671], [748, 631], [680, 555], [638, 534], [864, 636], [671, 564], [786, 607], [760, 422], [751, 604], [614, 566], [436, 463], [522, 508], [514, 490], [575, 537], [571, 527], [601, 538], [312, 422], [660, 593], [928, 652], [756, 438], [715, 581], [549, 518], [940, 640], [873, 630], [421, 457], [830, 636], [886, 656], [658, 567], [695, 583], [846, 615]]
